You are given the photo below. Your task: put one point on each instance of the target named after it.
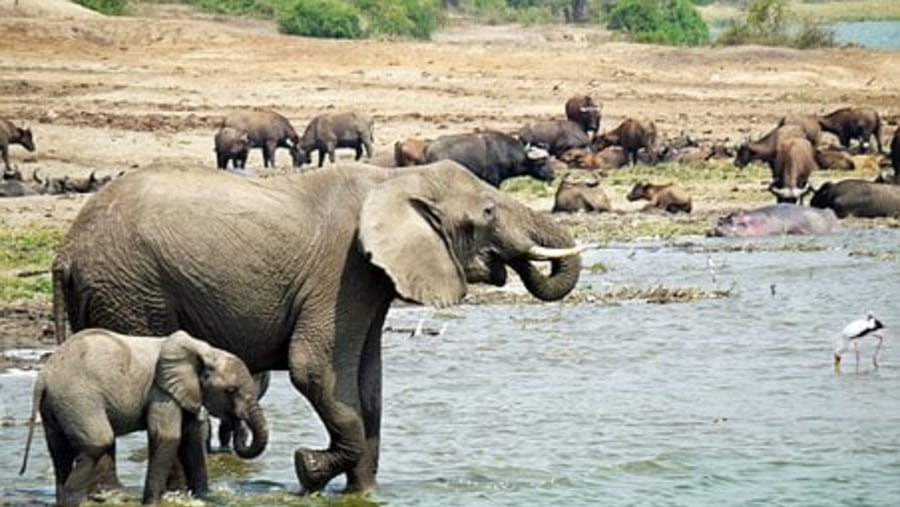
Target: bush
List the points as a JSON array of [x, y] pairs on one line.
[[674, 22], [254, 7], [320, 18], [408, 18], [108, 7], [771, 23]]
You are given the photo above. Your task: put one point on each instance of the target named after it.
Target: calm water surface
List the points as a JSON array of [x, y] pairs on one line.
[[870, 34], [716, 402]]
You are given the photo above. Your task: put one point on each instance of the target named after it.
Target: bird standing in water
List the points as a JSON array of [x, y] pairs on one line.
[[851, 335]]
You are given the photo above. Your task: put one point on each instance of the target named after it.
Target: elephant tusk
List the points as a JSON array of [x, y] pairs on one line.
[[542, 253]]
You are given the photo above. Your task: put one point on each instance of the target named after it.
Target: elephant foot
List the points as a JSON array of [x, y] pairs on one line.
[[361, 486], [313, 468], [106, 478]]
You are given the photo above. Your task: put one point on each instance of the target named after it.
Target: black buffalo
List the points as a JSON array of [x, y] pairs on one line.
[[492, 156], [556, 136], [859, 198]]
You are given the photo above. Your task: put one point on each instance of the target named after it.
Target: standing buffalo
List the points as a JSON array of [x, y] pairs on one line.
[[556, 136], [808, 122], [850, 123], [409, 152], [794, 162], [665, 197], [492, 156], [575, 196], [631, 135], [766, 147], [10, 134], [583, 110], [327, 132], [231, 145], [859, 198], [267, 130]]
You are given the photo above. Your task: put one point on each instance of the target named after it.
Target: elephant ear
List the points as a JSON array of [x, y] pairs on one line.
[[402, 231], [178, 369]]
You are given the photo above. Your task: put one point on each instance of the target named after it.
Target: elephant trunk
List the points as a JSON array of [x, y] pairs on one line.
[[259, 431], [550, 242]]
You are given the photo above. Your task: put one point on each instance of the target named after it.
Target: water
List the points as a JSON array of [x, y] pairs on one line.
[[715, 402], [870, 34]]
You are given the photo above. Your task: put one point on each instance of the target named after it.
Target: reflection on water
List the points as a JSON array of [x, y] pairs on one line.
[[729, 401]]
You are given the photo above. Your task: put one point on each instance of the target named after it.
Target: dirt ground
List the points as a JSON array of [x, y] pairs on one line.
[[113, 94]]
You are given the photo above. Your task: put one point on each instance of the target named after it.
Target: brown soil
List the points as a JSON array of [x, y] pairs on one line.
[[112, 94]]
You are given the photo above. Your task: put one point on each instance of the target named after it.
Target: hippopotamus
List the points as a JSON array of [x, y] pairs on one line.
[[776, 219]]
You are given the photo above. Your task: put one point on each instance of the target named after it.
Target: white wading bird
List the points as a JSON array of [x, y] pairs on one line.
[[851, 335]]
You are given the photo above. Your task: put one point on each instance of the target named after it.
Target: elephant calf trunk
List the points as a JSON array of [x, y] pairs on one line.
[[259, 431]]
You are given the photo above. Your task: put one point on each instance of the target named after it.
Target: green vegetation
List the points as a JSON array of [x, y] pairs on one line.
[[528, 186], [320, 18], [723, 11], [25, 258], [773, 23], [674, 22], [108, 7]]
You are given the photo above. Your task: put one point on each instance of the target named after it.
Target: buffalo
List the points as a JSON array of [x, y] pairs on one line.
[[267, 130], [632, 135], [583, 110], [231, 145], [808, 122], [834, 159], [10, 134], [849, 123], [794, 162], [766, 147], [556, 136], [858, 198], [613, 157], [492, 156], [665, 197], [410, 151], [327, 132], [575, 196]]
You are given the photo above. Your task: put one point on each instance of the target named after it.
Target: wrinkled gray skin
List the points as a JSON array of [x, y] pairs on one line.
[[236, 267], [794, 162], [585, 111], [10, 134], [858, 198], [327, 132], [555, 136], [777, 219], [766, 147], [849, 123], [665, 197], [229, 429], [575, 196], [808, 122], [267, 130], [231, 145], [632, 135], [99, 385]]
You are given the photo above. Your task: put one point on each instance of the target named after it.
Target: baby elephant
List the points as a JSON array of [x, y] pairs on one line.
[[99, 385], [667, 197], [575, 196]]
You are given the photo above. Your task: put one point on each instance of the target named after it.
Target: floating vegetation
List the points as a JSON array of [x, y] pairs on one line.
[[139, 455], [659, 294], [793, 246], [878, 255], [226, 465], [597, 268]]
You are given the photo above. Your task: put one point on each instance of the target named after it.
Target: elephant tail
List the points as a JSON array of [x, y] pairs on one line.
[[60, 280], [37, 398]]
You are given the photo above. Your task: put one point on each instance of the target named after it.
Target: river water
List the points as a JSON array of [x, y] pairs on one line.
[[870, 34], [713, 402]]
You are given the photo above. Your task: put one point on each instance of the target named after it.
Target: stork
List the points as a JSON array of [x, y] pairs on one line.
[[851, 335]]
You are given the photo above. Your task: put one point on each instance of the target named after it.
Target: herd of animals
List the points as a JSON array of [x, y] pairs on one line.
[[160, 333]]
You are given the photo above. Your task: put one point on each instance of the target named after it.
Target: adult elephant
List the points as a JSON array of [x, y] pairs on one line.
[[308, 265]]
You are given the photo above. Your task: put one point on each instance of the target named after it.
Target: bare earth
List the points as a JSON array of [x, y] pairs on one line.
[[112, 94]]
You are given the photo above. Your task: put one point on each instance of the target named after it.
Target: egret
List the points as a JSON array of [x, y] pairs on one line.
[[851, 335]]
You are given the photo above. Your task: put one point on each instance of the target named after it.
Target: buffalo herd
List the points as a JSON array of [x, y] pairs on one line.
[[792, 150]]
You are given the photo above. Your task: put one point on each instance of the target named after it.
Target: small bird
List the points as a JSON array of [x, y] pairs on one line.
[[851, 335]]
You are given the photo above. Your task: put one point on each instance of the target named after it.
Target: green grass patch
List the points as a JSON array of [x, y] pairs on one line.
[[528, 186], [108, 7], [27, 251]]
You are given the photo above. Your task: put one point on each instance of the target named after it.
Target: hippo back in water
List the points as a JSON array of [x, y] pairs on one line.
[[777, 219]]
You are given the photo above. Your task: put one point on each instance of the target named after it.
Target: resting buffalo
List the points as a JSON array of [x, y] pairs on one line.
[[328, 132], [267, 130], [850, 123], [776, 219], [90, 184], [556, 136], [612, 157], [859, 198], [766, 147], [808, 122], [231, 145], [631, 135], [830, 158], [410, 151], [13, 185], [794, 162], [492, 156], [583, 110], [10, 134], [575, 196], [665, 197]]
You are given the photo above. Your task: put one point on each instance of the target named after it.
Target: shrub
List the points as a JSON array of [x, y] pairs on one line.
[[771, 23], [108, 7], [674, 22], [254, 7], [320, 18], [408, 18]]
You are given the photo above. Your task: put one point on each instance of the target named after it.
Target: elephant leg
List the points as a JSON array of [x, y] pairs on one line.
[[164, 427], [331, 387], [106, 470], [362, 476], [63, 455], [192, 458], [83, 476]]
